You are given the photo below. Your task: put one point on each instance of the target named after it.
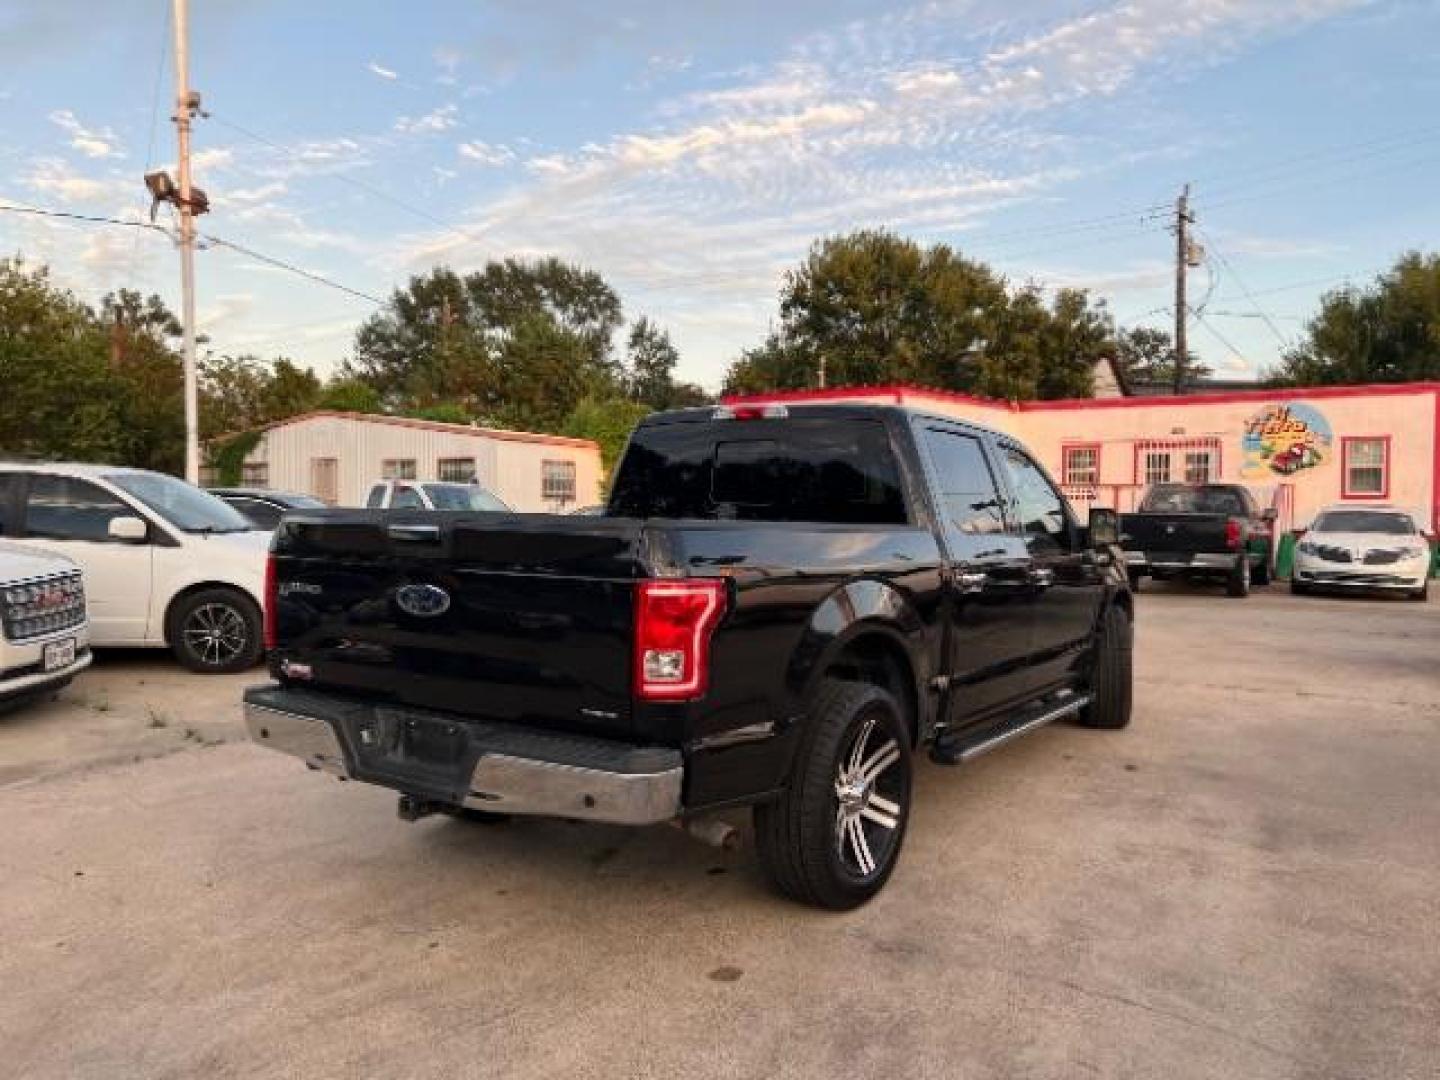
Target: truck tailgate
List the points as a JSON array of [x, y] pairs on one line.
[[1173, 534], [502, 617]]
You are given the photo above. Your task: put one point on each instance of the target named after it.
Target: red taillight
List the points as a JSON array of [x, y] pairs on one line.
[[673, 624], [269, 608], [1232, 534]]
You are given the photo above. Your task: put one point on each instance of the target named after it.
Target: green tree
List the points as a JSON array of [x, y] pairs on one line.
[[232, 392], [650, 364], [872, 307], [289, 391], [61, 398], [1145, 356], [517, 342], [349, 395], [609, 421], [1389, 332]]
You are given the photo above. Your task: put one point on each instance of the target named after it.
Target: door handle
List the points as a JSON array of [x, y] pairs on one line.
[[1042, 578], [970, 582]]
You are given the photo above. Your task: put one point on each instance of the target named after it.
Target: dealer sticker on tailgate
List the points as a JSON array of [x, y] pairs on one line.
[[59, 654]]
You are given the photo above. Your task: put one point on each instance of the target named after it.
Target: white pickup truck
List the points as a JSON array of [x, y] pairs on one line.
[[44, 634], [431, 495]]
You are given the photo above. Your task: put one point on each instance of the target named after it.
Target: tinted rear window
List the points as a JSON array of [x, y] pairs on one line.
[[830, 471], [1194, 500]]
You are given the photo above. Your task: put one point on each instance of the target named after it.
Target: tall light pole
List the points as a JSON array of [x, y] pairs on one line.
[[187, 104], [1183, 218]]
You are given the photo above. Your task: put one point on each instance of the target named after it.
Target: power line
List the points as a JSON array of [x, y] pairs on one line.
[[218, 241], [379, 193], [1385, 144], [1219, 336], [93, 219], [1215, 248], [281, 264], [154, 117]]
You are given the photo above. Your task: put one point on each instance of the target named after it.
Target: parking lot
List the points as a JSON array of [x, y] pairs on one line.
[[1243, 884]]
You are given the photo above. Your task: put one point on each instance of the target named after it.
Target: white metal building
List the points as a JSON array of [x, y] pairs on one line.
[[336, 456]]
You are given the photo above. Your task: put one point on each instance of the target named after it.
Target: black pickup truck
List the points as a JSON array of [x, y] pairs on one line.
[[776, 608], [1204, 532]]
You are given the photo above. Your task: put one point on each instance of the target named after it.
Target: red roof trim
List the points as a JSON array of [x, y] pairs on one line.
[[900, 391], [500, 434]]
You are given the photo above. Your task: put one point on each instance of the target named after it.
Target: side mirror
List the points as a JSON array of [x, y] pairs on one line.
[[1104, 527], [127, 529], [1269, 514]]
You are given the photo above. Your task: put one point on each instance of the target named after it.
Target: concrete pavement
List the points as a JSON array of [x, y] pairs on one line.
[[1246, 883]]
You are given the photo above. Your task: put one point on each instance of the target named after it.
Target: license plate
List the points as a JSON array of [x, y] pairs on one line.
[[59, 654]]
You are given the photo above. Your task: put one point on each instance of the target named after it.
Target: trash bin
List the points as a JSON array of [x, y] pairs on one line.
[[1285, 556]]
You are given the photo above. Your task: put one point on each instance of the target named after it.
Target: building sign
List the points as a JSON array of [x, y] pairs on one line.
[[1281, 440]]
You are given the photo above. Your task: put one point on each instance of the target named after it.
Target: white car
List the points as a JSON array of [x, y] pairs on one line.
[[1370, 547], [165, 563], [44, 637], [431, 495]]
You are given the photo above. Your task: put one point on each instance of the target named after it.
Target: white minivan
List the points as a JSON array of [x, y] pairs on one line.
[[166, 564]]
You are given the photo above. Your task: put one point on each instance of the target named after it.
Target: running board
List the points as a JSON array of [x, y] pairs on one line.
[[957, 750]]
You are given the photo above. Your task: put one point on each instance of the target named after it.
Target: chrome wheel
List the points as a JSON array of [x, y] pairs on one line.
[[216, 634], [870, 800]]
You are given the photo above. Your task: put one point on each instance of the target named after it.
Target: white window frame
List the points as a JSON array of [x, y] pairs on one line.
[[398, 469], [557, 488]]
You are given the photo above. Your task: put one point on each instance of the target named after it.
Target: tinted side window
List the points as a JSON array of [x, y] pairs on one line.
[[376, 498], [63, 508], [259, 513], [1039, 508], [406, 498], [9, 507], [965, 487]]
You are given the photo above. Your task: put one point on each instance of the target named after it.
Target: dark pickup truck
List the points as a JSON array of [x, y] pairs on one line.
[[776, 608], [1206, 532]]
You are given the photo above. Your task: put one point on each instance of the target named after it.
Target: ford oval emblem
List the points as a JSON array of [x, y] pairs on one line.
[[422, 601]]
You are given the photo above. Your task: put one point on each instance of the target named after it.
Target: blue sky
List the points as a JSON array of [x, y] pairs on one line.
[[691, 151]]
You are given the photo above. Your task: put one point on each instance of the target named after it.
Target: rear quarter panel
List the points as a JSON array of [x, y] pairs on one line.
[[799, 593]]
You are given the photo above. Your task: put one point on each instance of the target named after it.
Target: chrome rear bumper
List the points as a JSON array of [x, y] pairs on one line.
[[515, 770]]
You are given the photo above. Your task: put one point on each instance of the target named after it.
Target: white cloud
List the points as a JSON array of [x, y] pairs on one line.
[[442, 118], [384, 72], [91, 142], [486, 153], [212, 157], [53, 179]]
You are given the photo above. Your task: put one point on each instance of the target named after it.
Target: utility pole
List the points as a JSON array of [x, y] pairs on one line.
[[187, 104], [1183, 217]]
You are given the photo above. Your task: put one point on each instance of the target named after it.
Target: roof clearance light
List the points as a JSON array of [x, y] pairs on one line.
[[750, 412]]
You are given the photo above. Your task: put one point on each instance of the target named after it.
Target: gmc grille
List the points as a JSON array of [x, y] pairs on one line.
[[41, 606]]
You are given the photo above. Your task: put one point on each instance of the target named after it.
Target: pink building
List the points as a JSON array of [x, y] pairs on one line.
[[1299, 450]]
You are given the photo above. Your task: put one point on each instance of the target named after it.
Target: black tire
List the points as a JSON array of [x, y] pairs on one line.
[[1421, 594], [475, 816], [1238, 583], [1299, 588], [1262, 572], [215, 631], [805, 839], [1112, 681], [1135, 578]]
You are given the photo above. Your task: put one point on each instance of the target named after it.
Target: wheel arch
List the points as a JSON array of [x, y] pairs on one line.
[[867, 631]]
